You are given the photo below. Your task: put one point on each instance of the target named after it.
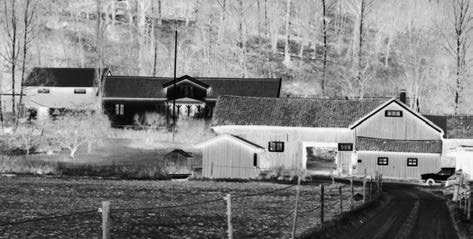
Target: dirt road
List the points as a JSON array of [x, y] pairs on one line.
[[409, 214]]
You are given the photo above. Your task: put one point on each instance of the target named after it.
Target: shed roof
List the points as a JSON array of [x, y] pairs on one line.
[[390, 145], [61, 77], [233, 138], [152, 87], [179, 151], [454, 126], [293, 112]]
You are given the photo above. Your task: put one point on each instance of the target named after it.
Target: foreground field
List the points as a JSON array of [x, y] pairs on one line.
[[157, 209]]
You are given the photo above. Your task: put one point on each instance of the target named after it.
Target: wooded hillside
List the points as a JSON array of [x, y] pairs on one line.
[[321, 48]]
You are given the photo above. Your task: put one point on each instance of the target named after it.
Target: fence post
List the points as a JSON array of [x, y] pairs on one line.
[[106, 220], [294, 222], [468, 213], [371, 189], [322, 204], [341, 199], [228, 199], [352, 193], [364, 189]]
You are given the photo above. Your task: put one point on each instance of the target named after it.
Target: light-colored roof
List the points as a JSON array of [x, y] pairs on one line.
[[233, 138]]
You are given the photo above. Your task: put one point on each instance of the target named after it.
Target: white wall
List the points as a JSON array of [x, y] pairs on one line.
[[293, 138], [61, 97]]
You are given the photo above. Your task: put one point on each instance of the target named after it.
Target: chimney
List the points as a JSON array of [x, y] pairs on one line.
[[403, 96]]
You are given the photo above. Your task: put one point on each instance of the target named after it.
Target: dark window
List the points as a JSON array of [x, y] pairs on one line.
[[255, 160], [276, 146], [43, 91], [345, 147], [393, 113], [412, 162], [79, 91], [359, 160], [382, 161]]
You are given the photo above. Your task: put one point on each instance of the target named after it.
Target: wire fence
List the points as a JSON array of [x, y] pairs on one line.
[[284, 212]]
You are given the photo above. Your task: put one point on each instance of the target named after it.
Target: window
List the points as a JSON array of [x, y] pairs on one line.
[[382, 161], [345, 147], [359, 160], [119, 109], [43, 91], [79, 91], [412, 162], [276, 146], [393, 113], [255, 160]]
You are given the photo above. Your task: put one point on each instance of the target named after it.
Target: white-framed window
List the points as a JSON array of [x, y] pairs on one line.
[[79, 91], [412, 162], [276, 146], [393, 113], [383, 161], [43, 91], [119, 109]]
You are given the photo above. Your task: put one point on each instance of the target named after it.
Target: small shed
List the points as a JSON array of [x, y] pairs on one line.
[[230, 156], [179, 162], [463, 159]]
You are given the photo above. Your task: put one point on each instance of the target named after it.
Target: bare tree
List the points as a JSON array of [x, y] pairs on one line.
[[28, 16], [463, 24], [325, 46], [13, 45], [156, 23]]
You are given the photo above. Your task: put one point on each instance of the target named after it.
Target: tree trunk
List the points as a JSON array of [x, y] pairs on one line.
[[242, 40], [287, 57], [324, 60], [26, 22], [13, 55], [155, 34], [360, 40], [99, 51]]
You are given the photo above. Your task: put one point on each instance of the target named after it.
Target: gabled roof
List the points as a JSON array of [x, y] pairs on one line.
[[454, 126], [152, 87], [390, 145], [184, 78], [181, 152], [292, 112], [61, 77], [233, 138], [402, 105]]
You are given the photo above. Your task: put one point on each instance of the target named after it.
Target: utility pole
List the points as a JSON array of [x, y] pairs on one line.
[[174, 89]]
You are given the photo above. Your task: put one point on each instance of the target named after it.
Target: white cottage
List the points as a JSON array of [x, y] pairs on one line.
[[326, 136]]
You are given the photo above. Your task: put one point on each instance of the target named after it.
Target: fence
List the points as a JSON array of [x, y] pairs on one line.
[[284, 212]]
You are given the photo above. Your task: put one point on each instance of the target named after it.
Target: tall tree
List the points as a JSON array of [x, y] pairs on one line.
[[28, 16], [11, 25], [463, 24], [325, 46]]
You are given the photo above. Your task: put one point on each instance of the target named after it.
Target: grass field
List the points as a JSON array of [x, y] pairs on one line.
[[260, 210]]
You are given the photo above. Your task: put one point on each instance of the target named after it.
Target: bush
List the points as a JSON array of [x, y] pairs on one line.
[[142, 172]]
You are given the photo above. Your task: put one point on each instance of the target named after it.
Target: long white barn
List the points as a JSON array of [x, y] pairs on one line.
[[360, 135]]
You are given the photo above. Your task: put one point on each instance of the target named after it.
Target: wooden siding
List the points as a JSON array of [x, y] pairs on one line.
[[293, 139], [397, 164], [407, 127], [228, 159]]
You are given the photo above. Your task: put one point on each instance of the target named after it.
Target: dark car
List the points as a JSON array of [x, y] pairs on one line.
[[442, 175]]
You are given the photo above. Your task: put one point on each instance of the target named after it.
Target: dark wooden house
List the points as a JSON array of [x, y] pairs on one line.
[[136, 100]]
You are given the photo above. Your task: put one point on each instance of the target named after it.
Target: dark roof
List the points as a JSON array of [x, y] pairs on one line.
[[185, 77], [152, 87], [454, 126], [297, 112], [390, 145], [61, 77], [179, 151]]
